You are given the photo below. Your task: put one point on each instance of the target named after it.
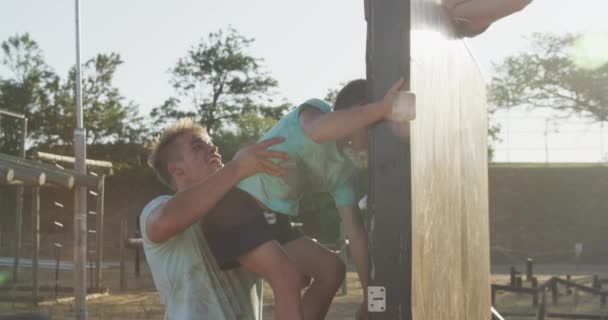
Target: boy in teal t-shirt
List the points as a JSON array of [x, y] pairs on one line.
[[315, 137], [320, 167]]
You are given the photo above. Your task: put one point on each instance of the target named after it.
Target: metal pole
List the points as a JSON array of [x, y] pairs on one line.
[[80, 194]]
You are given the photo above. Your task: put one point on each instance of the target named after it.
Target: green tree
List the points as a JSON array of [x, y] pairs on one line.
[[108, 116], [24, 89], [216, 82], [548, 76], [248, 128], [31, 87]]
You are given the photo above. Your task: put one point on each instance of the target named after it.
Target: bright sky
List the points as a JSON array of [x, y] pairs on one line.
[[308, 46]]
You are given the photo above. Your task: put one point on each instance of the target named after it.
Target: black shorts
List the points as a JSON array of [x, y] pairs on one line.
[[237, 225]]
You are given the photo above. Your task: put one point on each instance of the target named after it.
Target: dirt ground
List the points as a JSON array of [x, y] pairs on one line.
[[141, 301]]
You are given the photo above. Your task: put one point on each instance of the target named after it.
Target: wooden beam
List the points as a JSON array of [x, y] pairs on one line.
[[35, 240], [6, 175], [65, 159], [19, 183], [12, 114], [123, 236], [53, 177], [28, 176], [59, 176]]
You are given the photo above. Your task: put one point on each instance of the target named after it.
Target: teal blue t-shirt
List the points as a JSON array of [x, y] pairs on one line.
[[316, 167]]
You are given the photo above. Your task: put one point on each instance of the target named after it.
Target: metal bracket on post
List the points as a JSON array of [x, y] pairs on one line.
[[376, 299]]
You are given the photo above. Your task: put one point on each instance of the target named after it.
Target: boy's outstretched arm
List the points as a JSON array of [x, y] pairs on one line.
[[322, 127], [358, 243], [187, 207]]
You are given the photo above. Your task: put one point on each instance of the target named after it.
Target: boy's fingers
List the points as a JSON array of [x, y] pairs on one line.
[[272, 168], [270, 142], [397, 86]]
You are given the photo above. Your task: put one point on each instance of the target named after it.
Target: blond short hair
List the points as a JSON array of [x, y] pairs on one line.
[[162, 149]]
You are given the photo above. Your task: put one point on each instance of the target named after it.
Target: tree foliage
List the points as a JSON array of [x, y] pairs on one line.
[[31, 87], [216, 82], [25, 88], [108, 116], [548, 76]]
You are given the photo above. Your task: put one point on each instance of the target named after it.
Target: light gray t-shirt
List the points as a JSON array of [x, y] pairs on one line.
[[190, 283]]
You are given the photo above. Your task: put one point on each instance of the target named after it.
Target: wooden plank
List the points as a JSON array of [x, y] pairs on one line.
[[65, 159], [389, 164], [429, 226], [450, 240]]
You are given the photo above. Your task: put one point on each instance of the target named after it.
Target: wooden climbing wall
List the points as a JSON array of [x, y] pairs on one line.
[[428, 205]]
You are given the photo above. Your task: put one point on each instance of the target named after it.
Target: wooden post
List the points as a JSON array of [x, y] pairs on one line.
[[35, 240], [568, 290], [535, 295], [493, 292], [518, 282], [19, 209], [554, 292], [136, 246], [529, 271], [122, 239], [512, 275], [91, 282], [540, 312], [99, 230], [136, 261], [57, 258], [18, 227], [596, 282], [390, 178]]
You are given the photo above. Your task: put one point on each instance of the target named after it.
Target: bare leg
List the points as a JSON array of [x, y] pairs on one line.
[[327, 273], [479, 14], [272, 263]]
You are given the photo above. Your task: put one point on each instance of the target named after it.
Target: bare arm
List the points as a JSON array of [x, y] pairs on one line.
[[322, 127], [189, 206], [357, 241]]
